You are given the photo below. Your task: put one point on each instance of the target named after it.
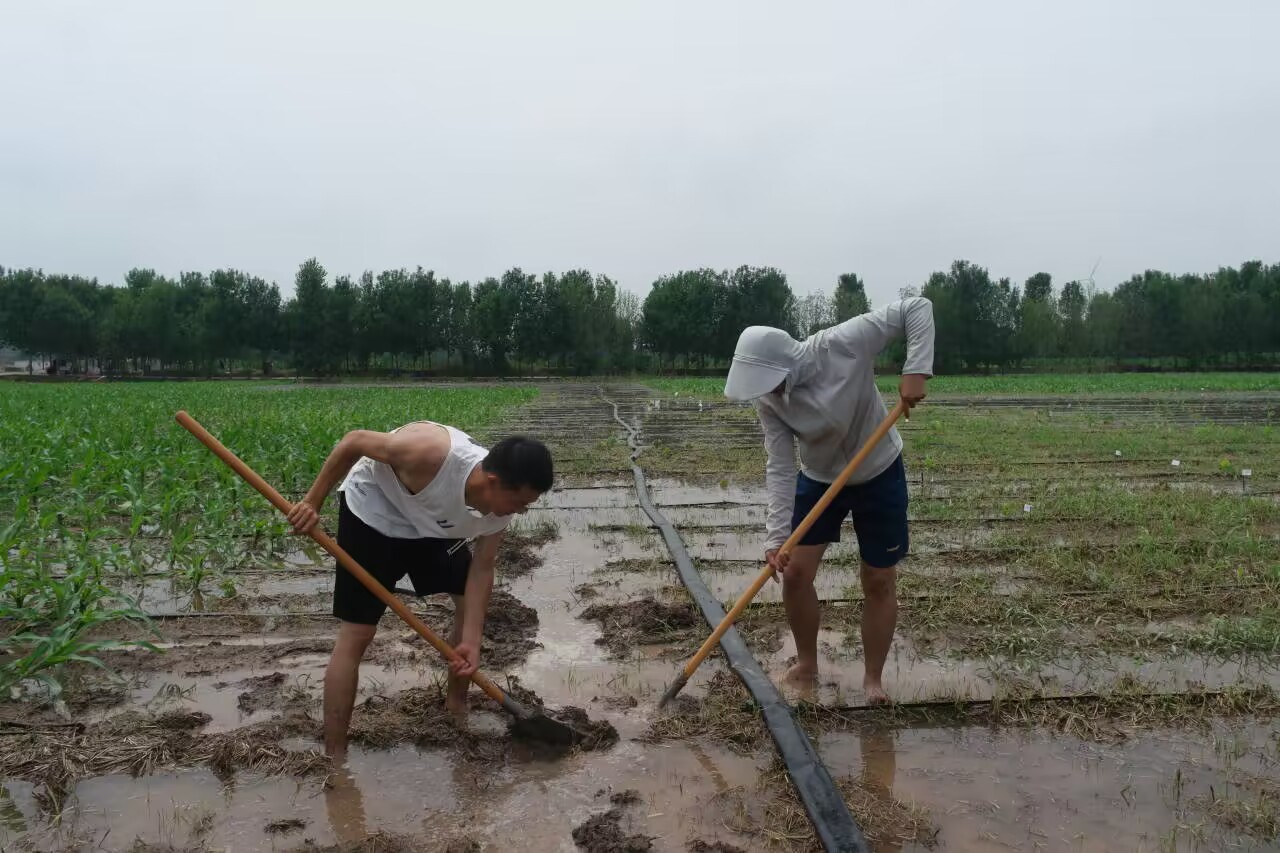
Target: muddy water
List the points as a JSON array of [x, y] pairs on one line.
[[1028, 790], [432, 795]]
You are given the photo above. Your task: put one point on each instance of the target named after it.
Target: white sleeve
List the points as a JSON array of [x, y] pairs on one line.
[[779, 478], [866, 335]]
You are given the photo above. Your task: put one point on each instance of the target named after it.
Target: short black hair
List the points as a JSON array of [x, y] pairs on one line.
[[519, 461]]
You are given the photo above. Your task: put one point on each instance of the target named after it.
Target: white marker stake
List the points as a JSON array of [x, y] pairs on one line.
[[1177, 464], [1026, 507], [1117, 454], [1247, 472]]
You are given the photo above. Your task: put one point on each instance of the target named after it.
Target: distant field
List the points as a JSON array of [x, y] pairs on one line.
[[1045, 383]]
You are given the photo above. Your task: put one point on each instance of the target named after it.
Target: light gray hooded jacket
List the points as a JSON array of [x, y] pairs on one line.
[[829, 401]]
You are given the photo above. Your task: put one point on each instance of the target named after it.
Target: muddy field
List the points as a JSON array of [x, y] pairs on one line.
[[1086, 658]]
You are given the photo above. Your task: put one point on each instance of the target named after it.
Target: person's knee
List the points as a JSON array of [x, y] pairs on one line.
[[353, 640], [795, 580], [878, 584]]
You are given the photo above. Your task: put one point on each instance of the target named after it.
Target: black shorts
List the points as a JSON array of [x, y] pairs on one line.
[[878, 507], [427, 562]]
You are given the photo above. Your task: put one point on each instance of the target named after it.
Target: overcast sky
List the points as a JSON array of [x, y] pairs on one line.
[[637, 139]]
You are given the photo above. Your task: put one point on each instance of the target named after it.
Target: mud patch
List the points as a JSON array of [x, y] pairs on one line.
[[726, 714], [281, 827], [194, 660], [642, 621], [418, 716], [700, 846], [379, 842], [136, 744], [518, 554], [270, 692], [591, 734], [510, 629], [603, 833]]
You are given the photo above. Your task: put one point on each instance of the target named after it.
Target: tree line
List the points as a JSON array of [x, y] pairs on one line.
[[580, 322]]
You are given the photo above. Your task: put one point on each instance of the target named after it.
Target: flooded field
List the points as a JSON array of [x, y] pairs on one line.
[[1086, 656]]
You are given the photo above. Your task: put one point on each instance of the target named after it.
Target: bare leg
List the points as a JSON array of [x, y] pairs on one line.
[[340, 680], [455, 699], [801, 602], [879, 619]]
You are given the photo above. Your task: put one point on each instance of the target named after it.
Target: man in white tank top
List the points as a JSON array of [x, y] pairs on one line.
[[410, 500]]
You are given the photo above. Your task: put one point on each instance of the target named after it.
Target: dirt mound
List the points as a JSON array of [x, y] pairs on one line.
[[269, 692], [416, 716], [726, 713], [136, 744], [518, 553], [700, 846], [510, 630], [628, 797], [643, 621], [603, 833], [379, 842], [594, 734], [187, 661]]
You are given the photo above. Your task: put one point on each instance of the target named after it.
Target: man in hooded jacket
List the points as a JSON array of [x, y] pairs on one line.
[[821, 394]]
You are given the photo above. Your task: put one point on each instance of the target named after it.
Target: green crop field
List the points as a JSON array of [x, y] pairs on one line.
[[1036, 384], [99, 484]]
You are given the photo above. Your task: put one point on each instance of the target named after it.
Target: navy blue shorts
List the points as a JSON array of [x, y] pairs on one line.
[[878, 507]]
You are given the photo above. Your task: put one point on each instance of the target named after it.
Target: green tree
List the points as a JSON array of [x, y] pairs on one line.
[[493, 313], [850, 297], [1038, 324], [309, 317], [1071, 308]]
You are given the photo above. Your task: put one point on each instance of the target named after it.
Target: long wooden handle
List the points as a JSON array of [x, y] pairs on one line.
[[348, 562], [796, 535]]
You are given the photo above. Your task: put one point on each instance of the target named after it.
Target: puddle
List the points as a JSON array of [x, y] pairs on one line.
[[1011, 789]]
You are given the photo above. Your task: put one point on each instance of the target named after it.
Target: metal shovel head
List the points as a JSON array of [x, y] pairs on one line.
[[568, 727], [540, 727]]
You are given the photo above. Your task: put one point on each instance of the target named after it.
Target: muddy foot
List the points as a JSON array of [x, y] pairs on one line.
[[875, 693], [802, 675]]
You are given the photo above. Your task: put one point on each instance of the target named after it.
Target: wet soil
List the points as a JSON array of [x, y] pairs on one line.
[[518, 555], [136, 743], [270, 692], [643, 621], [724, 712], [379, 842], [603, 833], [588, 734]]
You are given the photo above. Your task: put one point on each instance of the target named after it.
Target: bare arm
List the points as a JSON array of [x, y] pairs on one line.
[[476, 601], [406, 452]]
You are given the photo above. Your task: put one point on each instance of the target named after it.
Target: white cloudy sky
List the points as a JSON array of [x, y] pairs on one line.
[[640, 138]]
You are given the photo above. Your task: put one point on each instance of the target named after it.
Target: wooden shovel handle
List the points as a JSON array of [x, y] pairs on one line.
[[348, 562], [796, 535]]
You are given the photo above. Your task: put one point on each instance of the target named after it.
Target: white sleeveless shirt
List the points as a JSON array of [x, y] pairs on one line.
[[377, 497]]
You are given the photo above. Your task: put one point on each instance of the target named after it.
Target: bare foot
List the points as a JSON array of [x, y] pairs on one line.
[[801, 675], [875, 693]]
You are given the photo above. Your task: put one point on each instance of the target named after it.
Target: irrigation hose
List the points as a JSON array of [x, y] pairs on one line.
[[827, 810]]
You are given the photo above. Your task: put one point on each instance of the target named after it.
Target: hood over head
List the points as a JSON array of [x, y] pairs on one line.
[[765, 358]]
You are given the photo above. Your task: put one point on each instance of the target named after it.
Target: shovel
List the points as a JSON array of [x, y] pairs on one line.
[[763, 578], [529, 723]]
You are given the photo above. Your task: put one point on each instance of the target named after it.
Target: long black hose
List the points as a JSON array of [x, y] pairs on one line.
[[832, 822]]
